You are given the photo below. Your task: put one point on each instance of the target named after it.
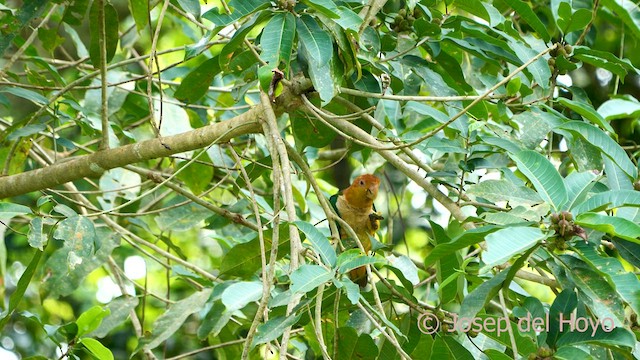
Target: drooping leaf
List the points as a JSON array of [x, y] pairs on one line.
[[196, 84], [619, 109], [609, 200], [326, 7], [612, 225], [111, 34], [587, 112], [468, 238], [505, 243], [21, 287], [504, 190], [578, 185], [277, 40], [119, 310], [91, 319], [543, 175], [238, 295], [309, 277], [273, 328], [626, 11], [240, 9], [314, 40], [605, 60], [140, 12], [319, 242], [527, 14], [171, 320], [604, 143], [96, 348]]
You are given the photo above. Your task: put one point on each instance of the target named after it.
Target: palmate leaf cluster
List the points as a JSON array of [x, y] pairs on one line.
[[159, 132]]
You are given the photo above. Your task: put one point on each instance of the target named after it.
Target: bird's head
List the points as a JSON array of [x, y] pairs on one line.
[[363, 190]]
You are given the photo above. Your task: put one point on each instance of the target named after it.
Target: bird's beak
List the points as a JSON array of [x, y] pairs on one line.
[[371, 193]]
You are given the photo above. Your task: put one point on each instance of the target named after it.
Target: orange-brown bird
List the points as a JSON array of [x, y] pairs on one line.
[[355, 206]]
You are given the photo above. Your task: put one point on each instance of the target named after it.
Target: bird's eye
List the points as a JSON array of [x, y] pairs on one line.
[[361, 182]]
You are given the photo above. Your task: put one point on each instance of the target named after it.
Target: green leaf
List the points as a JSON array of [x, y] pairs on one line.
[[25, 94], [26, 131], [240, 9], [534, 126], [309, 277], [352, 289], [513, 86], [563, 305], [474, 7], [326, 7], [628, 251], [215, 321], [244, 259], [619, 109], [311, 132], [239, 294], [578, 185], [91, 319], [605, 60], [62, 279], [75, 12], [277, 40], [406, 267], [604, 143], [111, 27], [79, 237], [626, 284], [140, 13], [609, 200], [171, 320], [613, 338], [627, 11], [468, 238], [273, 328], [539, 69], [481, 295], [196, 84], [182, 218], [352, 346], [119, 310], [504, 190], [505, 243], [543, 175], [26, 13], [526, 13], [21, 287], [9, 210], [316, 43], [348, 20], [37, 238], [323, 81], [446, 347], [587, 112], [319, 242], [197, 175], [234, 45], [595, 291], [353, 259], [191, 6], [612, 225], [576, 21], [570, 353], [96, 349]]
